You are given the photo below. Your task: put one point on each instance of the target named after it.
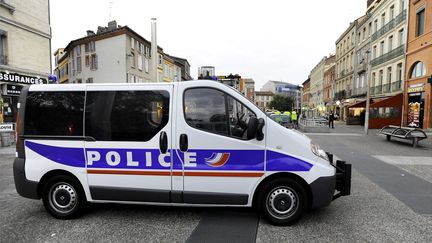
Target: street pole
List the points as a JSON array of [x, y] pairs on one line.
[[154, 55], [366, 125]]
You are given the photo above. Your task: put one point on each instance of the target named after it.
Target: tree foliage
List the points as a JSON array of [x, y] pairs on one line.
[[281, 103]]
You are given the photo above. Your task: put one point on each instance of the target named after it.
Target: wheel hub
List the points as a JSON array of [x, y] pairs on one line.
[[63, 197], [282, 202]]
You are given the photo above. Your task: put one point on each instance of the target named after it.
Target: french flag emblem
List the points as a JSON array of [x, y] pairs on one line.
[[217, 159]]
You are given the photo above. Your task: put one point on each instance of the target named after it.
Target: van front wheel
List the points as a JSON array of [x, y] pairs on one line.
[[283, 201], [63, 197]]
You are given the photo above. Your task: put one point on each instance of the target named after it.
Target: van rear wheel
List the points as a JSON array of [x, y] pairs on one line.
[[283, 201], [63, 197]]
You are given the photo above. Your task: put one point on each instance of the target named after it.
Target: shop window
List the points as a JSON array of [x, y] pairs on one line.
[[418, 70], [385, 112], [126, 115], [54, 113]]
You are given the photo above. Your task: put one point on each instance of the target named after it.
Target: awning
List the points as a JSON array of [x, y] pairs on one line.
[[393, 101], [361, 104]]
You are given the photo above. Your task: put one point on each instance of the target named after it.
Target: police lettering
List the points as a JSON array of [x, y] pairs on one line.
[[135, 159]]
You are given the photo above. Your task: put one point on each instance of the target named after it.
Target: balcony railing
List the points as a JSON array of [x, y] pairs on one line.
[[362, 67], [401, 17], [3, 60], [378, 89], [399, 51], [396, 86], [389, 26], [340, 95], [386, 28], [386, 88]]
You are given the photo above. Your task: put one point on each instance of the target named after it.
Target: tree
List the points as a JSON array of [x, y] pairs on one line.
[[281, 103]]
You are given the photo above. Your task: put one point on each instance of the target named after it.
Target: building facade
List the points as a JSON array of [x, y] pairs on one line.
[[418, 71], [249, 88], [61, 66], [117, 54], [305, 95], [317, 86], [388, 41], [292, 91], [345, 49], [329, 81], [263, 99], [25, 50], [206, 72]]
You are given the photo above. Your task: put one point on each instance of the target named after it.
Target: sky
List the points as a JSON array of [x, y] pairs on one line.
[[263, 40]]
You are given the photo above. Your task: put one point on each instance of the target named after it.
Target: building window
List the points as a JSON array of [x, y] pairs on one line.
[[160, 59], [399, 72], [382, 20], [87, 60], [78, 50], [132, 57], [391, 12], [79, 68], [132, 43], [381, 48], [90, 46], [374, 52], [370, 29], [171, 73], [401, 37], [418, 70], [146, 65], [420, 22], [389, 75], [93, 62], [390, 43], [402, 5], [373, 80], [3, 48], [381, 76], [140, 62]]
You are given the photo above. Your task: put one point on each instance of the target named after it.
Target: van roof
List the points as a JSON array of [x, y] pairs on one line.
[[82, 87]]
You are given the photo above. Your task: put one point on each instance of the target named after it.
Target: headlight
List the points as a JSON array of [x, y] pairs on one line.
[[318, 151]]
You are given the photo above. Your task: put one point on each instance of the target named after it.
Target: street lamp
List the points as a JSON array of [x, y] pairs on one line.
[[366, 125]]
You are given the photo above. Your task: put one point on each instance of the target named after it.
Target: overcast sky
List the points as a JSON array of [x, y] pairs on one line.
[[263, 40]]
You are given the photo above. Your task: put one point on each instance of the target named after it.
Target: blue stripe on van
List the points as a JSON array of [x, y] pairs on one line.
[[238, 160]]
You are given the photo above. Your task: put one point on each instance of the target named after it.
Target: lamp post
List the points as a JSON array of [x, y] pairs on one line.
[[366, 125]]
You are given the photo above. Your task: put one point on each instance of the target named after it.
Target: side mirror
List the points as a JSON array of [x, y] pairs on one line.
[[252, 127]]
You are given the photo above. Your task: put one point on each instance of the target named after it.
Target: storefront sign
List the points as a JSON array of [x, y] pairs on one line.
[[416, 88], [22, 79], [6, 127], [12, 89]]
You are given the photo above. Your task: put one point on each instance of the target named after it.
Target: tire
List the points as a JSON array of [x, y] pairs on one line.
[[63, 197], [282, 201]]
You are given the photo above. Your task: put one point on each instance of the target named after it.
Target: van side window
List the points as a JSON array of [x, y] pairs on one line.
[[126, 115], [216, 112], [54, 113]]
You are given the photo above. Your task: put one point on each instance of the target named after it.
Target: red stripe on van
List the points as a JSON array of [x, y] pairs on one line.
[[176, 173]]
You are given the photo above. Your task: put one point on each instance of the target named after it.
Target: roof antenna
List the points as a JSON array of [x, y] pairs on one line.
[[110, 10]]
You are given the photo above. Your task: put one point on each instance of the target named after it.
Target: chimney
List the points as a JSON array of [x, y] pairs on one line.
[[112, 25], [90, 32]]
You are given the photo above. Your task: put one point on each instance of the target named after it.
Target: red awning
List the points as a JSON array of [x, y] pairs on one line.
[[393, 101], [361, 104]]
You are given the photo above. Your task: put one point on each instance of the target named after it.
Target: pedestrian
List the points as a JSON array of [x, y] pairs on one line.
[[331, 119], [294, 118]]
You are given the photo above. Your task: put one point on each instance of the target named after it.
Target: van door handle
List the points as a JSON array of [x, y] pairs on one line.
[[163, 142], [183, 142]]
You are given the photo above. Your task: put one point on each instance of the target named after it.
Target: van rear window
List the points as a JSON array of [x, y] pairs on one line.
[[54, 113]]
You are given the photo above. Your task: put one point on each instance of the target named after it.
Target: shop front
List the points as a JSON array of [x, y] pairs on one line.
[[387, 111], [416, 105], [10, 87], [356, 113]]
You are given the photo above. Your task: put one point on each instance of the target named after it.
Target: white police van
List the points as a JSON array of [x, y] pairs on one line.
[[189, 143]]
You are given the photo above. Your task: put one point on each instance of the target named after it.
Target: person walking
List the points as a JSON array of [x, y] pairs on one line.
[[331, 119]]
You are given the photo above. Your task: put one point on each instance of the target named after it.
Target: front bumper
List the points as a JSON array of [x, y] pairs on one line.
[[323, 189]]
